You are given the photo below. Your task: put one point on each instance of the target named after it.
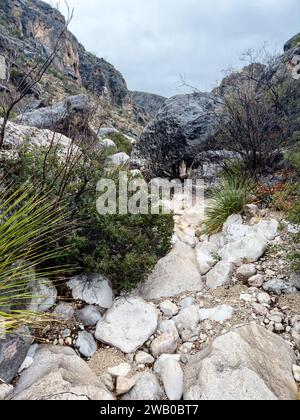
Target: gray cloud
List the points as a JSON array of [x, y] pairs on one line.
[[151, 42]]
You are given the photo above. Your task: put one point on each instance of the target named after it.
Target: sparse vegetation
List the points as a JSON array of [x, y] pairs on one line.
[[227, 199]]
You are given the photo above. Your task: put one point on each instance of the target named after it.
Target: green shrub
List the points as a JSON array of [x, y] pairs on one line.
[[125, 248], [227, 199], [122, 143]]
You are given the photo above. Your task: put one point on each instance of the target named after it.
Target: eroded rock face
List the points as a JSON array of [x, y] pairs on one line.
[[128, 324], [181, 129], [248, 363], [57, 373]]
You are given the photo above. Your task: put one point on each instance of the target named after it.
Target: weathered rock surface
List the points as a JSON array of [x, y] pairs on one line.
[[58, 374], [164, 344], [13, 351], [174, 274], [5, 391], [86, 344], [94, 290], [279, 287], [248, 363], [181, 129], [88, 316], [68, 117], [64, 311], [220, 314], [128, 324], [44, 296], [149, 102], [220, 275], [172, 378]]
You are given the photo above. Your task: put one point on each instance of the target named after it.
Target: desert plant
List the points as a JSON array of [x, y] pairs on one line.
[[227, 199], [28, 226]]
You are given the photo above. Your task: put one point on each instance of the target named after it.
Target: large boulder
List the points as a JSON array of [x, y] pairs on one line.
[[57, 373], [181, 129], [70, 117], [248, 363], [128, 324], [174, 274]]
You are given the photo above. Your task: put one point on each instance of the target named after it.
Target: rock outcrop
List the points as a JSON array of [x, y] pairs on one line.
[[33, 27], [248, 363]]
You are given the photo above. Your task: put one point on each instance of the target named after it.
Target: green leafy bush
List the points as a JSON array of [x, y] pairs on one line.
[[125, 248], [122, 143], [227, 199]]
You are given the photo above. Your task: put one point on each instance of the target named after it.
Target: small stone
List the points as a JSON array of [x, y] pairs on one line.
[[275, 317], [88, 316], [172, 378], [251, 210], [279, 327], [64, 311], [121, 370], [86, 344], [68, 341], [245, 272], [256, 281], [220, 275], [264, 298], [260, 309], [245, 297], [124, 385], [164, 344], [296, 372], [187, 302], [66, 333], [279, 287], [169, 309], [143, 358]]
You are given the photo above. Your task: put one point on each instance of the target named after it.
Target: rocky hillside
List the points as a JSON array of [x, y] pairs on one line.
[[149, 102]]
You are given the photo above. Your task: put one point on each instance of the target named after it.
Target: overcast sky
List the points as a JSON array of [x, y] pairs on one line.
[[152, 41]]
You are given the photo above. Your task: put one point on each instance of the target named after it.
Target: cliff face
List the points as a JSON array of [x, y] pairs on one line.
[[30, 28]]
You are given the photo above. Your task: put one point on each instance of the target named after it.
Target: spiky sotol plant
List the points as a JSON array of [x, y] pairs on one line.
[[28, 226]]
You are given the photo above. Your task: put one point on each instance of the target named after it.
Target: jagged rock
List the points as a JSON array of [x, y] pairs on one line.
[[187, 323], [64, 311], [219, 314], [174, 274], [172, 378], [128, 324], [94, 290], [206, 256], [58, 374], [249, 249], [147, 388], [45, 295], [5, 391], [68, 117], [245, 272], [220, 275], [88, 316], [13, 351], [248, 363], [279, 287], [164, 344], [17, 135], [86, 344], [181, 129]]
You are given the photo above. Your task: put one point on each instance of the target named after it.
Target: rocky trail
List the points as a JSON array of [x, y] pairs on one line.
[[216, 311]]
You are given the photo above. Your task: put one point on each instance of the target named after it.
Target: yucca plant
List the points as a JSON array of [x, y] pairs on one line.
[[227, 199], [29, 228]]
